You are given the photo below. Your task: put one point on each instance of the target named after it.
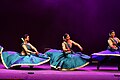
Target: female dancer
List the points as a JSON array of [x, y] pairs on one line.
[[113, 42], [112, 50], [67, 59], [27, 47], [26, 57]]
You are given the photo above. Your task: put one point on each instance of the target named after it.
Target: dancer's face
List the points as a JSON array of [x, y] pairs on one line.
[[68, 37], [27, 38], [112, 34]]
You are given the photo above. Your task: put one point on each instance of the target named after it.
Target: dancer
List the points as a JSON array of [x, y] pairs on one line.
[[67, 59], [112, 50], [26, 57], [27, 47], [113, 42]]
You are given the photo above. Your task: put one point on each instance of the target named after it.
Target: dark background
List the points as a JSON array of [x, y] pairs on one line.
[[87, 21]]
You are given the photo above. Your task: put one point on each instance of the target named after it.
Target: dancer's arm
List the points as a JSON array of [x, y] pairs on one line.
[[27, 51], [118, 40], [64, 48], [79, 46], [111, 44], [33, 48]]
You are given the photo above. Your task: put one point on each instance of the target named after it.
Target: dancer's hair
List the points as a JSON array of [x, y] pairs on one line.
[[25, 36], [111, 32], [65, 35]]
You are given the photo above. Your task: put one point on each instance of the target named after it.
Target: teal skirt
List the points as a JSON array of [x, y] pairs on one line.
[[59, 60], [12, 58]]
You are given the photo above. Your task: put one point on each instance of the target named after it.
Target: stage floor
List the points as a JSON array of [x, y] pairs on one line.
[[43, 72]]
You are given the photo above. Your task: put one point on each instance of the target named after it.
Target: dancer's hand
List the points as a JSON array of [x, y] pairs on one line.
[[81, 48], [68, 49], [34, 52], [114, 47], [37, 53], [28, 53]]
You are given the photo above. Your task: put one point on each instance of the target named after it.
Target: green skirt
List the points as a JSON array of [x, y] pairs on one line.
[[12, 58], [59, 60]]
